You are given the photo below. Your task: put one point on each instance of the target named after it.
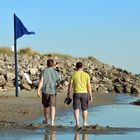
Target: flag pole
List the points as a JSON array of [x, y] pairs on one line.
[[16, 63]]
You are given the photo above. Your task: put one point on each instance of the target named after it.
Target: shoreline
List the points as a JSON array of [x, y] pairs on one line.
[[28, 106], [21, 113]]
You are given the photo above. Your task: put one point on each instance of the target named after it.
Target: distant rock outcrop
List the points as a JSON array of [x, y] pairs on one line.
[[105, 78]]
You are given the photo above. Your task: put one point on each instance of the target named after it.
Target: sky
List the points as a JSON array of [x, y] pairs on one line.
[[109, 30]]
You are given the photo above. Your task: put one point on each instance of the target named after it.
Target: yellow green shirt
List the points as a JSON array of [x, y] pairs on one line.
[[80, 80]]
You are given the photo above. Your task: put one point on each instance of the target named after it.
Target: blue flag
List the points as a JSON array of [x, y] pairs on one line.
[[20, 29]]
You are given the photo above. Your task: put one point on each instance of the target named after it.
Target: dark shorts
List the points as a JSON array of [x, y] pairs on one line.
[[48, 100], [80, 101]]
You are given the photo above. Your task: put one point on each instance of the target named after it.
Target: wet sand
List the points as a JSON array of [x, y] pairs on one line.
[[19, 118], [17, 112], [28, 106]]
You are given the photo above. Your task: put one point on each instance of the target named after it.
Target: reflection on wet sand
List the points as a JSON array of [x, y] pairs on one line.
[[77, 137], [50, 136]]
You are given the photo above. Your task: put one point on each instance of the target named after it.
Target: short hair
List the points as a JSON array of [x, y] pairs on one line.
[[79, 65], [50, 63]]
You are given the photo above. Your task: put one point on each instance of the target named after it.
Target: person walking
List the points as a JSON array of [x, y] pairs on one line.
[[82, 95], [47, 89]]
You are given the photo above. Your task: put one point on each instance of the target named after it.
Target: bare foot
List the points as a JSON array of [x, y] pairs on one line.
[[45, 122]]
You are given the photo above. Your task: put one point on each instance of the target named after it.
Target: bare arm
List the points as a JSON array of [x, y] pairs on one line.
[[69, 88], [40, 85], [89, 90]]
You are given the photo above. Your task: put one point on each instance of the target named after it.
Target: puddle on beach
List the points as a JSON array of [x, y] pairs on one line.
[[120, 114], [68, 136]]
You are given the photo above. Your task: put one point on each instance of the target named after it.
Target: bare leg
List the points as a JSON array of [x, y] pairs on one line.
[[76, 137], [46, 110], [84, 113], [76, 115], [84, 136], [52, 115], [52, 136]]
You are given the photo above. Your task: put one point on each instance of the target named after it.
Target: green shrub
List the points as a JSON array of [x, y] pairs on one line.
[[28, 51], [92, 58], [64, 56], [83, 58], [6, 50]]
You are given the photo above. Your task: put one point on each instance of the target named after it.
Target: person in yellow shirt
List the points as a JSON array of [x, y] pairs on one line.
[[82, 95]]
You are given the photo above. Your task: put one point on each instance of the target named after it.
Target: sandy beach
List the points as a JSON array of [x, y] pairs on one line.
[[19, 117], [28, 106]]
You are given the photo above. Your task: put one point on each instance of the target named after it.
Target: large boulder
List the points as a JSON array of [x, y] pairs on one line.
[[2, 80], [25, 86], [10, 76], [33, 71], [135, 90], [118, 88], [102, 89], [2, 71], [127, 88]]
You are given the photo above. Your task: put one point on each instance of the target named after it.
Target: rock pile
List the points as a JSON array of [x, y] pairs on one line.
[[105, 78]]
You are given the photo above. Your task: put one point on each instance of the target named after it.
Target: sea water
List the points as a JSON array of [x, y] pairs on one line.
[[121, 114]]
